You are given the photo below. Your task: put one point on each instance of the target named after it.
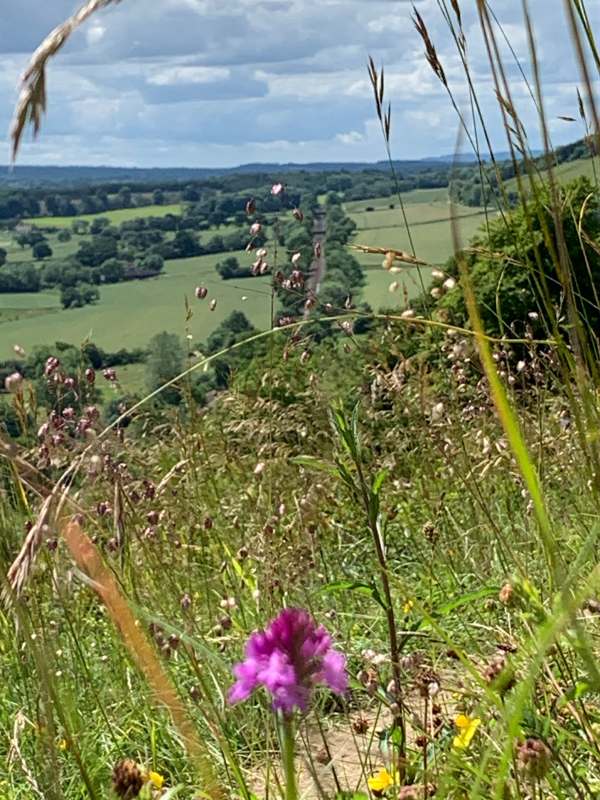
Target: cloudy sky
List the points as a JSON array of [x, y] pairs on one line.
[[224, 82]]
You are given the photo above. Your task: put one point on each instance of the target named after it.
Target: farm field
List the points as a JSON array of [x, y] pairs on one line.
[[60, 250], [428, 214], [129, 314], [116, 216]]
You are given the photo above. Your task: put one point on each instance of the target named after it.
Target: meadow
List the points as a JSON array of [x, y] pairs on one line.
[[428, 212], [129, 314], [568, 171], [364, 567], [116, 216]]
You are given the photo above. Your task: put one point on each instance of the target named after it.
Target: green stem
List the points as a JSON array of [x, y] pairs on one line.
[[287, 755]]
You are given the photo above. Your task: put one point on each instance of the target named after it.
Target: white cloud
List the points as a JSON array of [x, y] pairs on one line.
[[208, 82], [396, 24], [174, 75], [95, 33], [350, 138]]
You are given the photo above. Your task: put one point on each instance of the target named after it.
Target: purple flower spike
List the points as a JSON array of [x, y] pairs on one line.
[[289, 659]]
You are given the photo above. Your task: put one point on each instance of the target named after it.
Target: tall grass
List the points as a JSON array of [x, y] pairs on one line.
[[426, 490]]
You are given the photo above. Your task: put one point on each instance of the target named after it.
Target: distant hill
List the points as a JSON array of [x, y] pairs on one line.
[[73, 175]]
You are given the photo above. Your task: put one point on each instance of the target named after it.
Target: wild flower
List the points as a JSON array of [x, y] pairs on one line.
[[277, 189], [154, 778], [381, 782], [467, 727], [289, 658]]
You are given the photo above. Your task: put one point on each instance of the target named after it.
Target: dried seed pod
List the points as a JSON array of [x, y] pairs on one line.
[[506, 594], [534, 758], [499, 674], [127, 779]]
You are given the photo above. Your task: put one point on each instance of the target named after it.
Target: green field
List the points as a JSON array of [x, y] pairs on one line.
[[428, 214], [132, 378], [117, 216], [129, 314], [565, 172], [60, 250]]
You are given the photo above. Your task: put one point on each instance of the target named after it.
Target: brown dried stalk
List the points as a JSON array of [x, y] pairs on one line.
[[89, 561], [430, 51], [23, 564], [398, 255], [31, 104]]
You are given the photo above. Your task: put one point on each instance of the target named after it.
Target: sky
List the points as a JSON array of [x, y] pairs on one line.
[[218, 83]]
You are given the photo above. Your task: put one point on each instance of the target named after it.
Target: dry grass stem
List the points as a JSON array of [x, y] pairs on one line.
[[31, 104]]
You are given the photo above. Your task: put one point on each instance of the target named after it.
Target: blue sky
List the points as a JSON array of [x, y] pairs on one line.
[[224, 82]]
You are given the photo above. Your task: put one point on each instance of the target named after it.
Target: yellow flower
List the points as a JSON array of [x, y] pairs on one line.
[[467, 727], [408, 606], [381, 781], [63, 744], [155, 779]]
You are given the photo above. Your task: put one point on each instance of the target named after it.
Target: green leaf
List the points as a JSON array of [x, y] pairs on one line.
[[378, 481], [464, 600], [354, 586], [312, 462]]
